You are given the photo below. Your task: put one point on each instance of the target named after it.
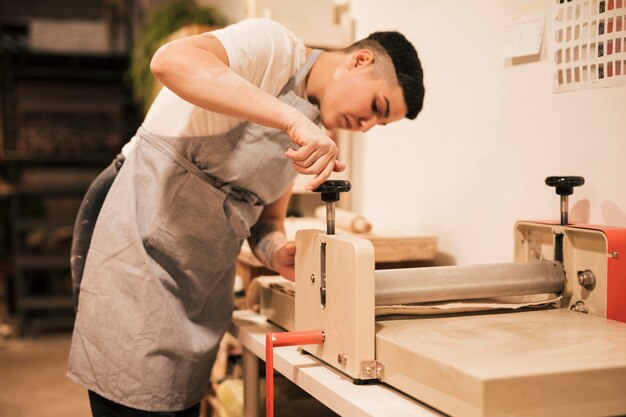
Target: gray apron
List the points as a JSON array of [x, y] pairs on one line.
[[156, 295]]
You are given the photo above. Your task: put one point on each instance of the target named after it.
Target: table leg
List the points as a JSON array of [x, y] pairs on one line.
[[250, 383]]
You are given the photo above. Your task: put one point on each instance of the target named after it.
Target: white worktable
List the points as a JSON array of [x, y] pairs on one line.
[[328, 386]]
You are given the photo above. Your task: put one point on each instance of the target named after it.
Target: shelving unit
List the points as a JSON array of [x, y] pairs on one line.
[[64, 118]]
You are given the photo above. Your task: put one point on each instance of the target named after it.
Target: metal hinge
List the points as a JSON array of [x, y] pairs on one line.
[[372, 370]]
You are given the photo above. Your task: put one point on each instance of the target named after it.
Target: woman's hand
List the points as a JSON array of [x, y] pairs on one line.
[[284, 260], [317, 155]]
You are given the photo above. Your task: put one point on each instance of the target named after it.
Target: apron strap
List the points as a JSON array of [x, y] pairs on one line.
[[303, 71]]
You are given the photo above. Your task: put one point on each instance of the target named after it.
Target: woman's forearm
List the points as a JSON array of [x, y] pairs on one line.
[[196, 71]]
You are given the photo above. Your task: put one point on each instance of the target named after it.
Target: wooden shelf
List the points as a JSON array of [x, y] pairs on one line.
[[66, 67], [91, 159], [49, 190], [42, 223], [46, 303], [48, 261]]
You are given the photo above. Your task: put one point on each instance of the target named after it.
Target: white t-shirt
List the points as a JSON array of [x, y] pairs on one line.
[[263, 52]]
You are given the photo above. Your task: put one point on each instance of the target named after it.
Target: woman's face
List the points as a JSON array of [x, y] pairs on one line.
[[357, 100]]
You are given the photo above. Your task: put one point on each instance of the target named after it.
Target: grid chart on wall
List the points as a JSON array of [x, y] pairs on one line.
[[589, 44]]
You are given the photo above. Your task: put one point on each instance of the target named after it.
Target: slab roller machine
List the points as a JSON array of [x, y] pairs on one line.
[[543, 335]]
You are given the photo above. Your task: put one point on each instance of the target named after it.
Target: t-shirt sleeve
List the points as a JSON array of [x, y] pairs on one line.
[[262, 51]]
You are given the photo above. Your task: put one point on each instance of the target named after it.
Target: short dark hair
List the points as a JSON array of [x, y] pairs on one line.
[[406, 63]]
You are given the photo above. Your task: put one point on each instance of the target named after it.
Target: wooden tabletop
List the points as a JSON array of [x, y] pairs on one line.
[[390, 246]]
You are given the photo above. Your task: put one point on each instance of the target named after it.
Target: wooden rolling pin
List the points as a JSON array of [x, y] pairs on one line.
[[346, 220]]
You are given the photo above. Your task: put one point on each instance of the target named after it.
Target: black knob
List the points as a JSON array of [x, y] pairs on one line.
[[565, 185], [330, 189]]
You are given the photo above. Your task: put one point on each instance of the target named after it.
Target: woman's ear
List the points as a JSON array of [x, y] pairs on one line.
[[360, 58]]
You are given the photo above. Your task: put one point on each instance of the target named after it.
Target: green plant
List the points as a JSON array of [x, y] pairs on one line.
[[161, 23]]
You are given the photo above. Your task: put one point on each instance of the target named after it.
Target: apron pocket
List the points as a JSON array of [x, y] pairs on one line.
[[195, 239]]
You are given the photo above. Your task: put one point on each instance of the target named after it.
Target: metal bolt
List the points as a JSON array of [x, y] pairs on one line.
[[580, 307], [312, 278], [615, 255], [586, 279]]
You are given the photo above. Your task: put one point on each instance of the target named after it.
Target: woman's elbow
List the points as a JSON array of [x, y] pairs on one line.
[[158, 64]]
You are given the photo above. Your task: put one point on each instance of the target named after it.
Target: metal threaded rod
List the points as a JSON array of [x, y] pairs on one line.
[[564, 186], [447, 283], [330, 218], [330, 191], [564, 209]]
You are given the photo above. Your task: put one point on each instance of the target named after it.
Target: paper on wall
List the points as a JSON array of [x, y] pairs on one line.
[[524, 36]]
